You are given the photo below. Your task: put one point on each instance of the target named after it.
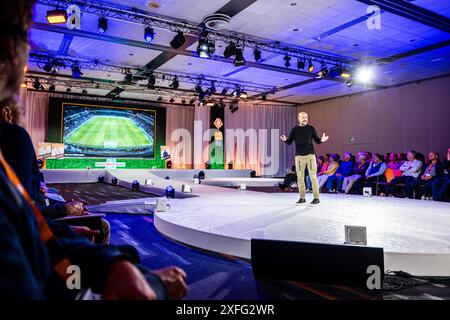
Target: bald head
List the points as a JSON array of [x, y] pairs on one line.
[[12, 112], [303, 118]]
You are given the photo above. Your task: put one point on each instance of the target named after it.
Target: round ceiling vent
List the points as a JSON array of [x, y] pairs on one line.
[[216, 21]]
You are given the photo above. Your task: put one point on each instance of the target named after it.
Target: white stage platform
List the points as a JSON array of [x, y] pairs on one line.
[[415, 234]]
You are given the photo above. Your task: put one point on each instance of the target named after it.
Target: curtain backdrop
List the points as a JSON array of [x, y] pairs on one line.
[[201, 147], [262, 148], [180, 135]]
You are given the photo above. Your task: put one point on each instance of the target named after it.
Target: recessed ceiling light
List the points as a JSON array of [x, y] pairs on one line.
[[412, 40], [293, 4], [131, 54], [356, 45], [153, 5], [295, 30]]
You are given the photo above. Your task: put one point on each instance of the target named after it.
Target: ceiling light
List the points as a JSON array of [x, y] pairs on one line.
[[68, 90], [234, 106], [237, 92], [192, 101], [128, 78], [159, 99], [349, 82], [52, 87], [224, 91], [229, 51], [37, 84], [205, 48], [239, 58], [178, 40], [172, 100], [51, 67], [212, 89], [257, 54], [340, 71], [102, 25], [287, 61], [56, 16], [84, 91], [264, 96], [149, 34]]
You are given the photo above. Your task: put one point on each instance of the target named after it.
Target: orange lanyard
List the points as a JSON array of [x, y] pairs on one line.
[[45, 233]]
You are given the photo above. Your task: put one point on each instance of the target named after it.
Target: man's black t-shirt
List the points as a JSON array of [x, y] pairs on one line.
[[303, 136]]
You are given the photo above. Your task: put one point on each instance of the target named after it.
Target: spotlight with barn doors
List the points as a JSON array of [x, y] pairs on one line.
[[301, 64], [76, 71], [175, 83], [52, 87], [205, 47], [230, 50], [56, 16], [151, 80], [340, 71], [84, 91], [37, 85], [310, 66], [114, 181], [287, 61], [51, 66], [135, 185], [237, 92], [224, 91], [239, 58], [257, 54], [178, 40], [212, 89], [102, 25], [234, 106], [149, 34], [323, 72]]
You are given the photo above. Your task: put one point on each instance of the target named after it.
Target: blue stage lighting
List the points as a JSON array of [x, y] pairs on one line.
[[170, 192], [135, 185]]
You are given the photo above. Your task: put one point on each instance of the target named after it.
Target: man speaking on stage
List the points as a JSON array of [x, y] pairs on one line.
[[303, 134]]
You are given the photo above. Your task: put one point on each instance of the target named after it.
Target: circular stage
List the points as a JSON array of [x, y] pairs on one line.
[[415, 234]]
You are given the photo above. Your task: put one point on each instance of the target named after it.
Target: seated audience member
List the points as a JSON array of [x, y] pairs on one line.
[[23, 161], [440, 187], [358, 172], [331, 169], [392, 171], [433, 171], [334, 183], [375, 171], [36, 252], [289, 179], [322, 166], [410, 170]]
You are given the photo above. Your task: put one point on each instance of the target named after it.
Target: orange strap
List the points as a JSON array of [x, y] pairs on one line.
[[45, 233]]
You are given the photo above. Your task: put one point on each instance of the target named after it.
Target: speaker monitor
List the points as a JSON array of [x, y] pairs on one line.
[[242, 186], [186, 188], [355, 235], [196, 181], [316, 262], [148, 182], [367, 191]]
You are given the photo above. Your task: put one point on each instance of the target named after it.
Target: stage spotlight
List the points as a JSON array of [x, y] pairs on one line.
[[205, 48], [239, 58], [207, 165], [102, 25], [264, 96], [51, 88], [167, 178], [224, 91], [170, 192], [169, 164], [149, 34], [364, 74], [230, 50], [230, 165], [37, 84], [349, 82], [68, 90], [310, 66], [257, 54], [128, 78], [201, 174], [210, 104], [114, 181], [183, 101], [287, 61], [301, 64], [172, 100], [253, 174], [212, 89], [339, 71], [322, 73], [234, 106], [101, 179], [84, 91], [237, 92], [76, 71], [56, 16], [243, 95], [151, 80], [135, 185], [192, 101], [51, 66], [159, 99], [178, 40], [175, 83]]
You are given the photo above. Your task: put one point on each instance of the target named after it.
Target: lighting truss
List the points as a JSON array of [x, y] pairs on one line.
[[116, 12], [40, 58]]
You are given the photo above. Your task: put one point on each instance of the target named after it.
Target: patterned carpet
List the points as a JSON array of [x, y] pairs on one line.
[[218, 277]]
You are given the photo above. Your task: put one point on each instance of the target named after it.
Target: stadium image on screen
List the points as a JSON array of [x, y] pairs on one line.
[[107, 132]]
